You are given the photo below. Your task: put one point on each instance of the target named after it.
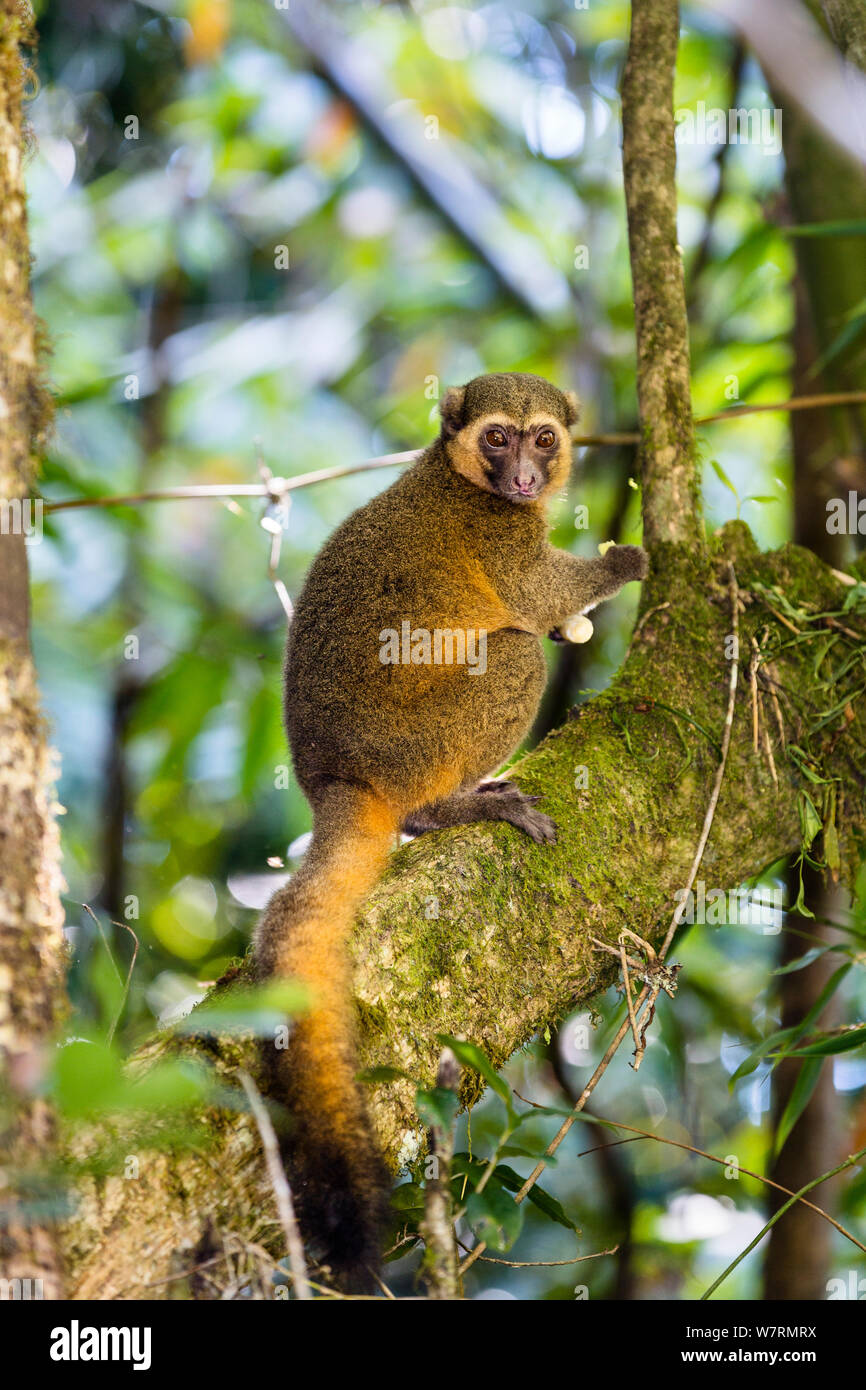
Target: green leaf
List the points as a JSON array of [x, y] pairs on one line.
[[826, 993], [723, 477], [814, 953], [832, 856], [408, 1197], [829, 1044], [799, 1098], [89, 1080], [535, 1152], [437, 1107], [471, 1056], [800, 908], [537, 1195], [757, 1054], [495, 1218], [87, 1077], [810, 821], [854, 597], [466, 1172], [258, 1010], [843, 340], [849, 227]]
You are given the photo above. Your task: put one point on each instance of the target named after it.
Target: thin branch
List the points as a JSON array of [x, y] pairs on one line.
[[848, 1163], [713, 1158], [281, 1189], [734, 595], [275, 489], [440, 1255], [541, 1264]]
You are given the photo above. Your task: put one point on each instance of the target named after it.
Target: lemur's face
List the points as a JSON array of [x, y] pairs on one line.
[[517, 458], [509, 434]]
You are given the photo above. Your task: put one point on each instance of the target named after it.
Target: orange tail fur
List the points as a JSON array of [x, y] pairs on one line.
[[341, 1181]]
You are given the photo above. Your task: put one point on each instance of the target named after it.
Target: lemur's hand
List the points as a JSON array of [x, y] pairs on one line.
[[627, 562]]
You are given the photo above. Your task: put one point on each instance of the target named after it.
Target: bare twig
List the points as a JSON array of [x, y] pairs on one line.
[[639, 625], [440, 1256], [541, 1264], [733, 591], [626, 984], [278, 487], [713, 1158], [106, 943], [847, 1163], [281, 1189]]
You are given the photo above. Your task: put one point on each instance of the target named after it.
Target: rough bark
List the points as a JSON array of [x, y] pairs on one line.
[[825, 185], [847, 21], [31, 939]]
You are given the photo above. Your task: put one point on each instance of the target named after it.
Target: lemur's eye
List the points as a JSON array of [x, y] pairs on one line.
[[545, 439], [496, 439]]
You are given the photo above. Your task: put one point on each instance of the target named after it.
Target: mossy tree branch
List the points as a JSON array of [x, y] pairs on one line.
[[478, 932]]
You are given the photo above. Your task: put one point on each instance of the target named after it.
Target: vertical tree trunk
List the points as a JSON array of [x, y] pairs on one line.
[[31, 917], [671, 500], [828, 452], [797, 1262]]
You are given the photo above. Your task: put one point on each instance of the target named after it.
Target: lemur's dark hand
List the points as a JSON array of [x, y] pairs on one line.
[[627, 562]]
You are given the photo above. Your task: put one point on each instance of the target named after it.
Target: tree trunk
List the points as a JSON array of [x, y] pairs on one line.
[[828, 453], [31, 918]]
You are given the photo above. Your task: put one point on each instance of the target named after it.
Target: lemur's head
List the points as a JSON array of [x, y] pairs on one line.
[[508, 433]]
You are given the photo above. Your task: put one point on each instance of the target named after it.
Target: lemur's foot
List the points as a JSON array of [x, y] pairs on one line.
[[535, 824], [490, 801], [515, 807]]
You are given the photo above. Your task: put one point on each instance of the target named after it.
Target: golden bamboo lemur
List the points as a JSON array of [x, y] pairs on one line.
[[458, 545]]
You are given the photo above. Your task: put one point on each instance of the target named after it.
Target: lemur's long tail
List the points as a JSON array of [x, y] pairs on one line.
[[340, 1179]]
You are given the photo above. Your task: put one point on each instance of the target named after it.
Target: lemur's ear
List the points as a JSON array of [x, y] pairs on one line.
[[451, 410], [572, 408]]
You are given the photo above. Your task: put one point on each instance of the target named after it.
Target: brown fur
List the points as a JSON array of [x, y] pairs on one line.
[[376, 746]]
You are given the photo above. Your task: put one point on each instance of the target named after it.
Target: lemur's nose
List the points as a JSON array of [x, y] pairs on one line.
[[525, 486]]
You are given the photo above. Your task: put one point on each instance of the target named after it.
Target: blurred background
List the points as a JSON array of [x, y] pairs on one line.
[[278, 234]]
